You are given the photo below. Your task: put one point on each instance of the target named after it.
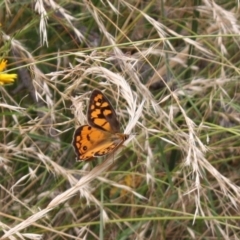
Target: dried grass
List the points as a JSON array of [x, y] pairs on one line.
[[174, 82]]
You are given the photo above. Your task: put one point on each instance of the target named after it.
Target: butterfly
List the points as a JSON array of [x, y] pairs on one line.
[[102, 134]]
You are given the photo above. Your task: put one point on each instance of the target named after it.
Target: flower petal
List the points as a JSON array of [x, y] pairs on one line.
[[6, 78], [3, 65]]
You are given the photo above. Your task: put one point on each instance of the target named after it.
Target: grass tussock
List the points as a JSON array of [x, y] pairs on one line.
[[171, 71]]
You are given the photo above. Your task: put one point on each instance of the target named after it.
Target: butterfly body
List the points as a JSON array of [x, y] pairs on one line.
[[102, 135]]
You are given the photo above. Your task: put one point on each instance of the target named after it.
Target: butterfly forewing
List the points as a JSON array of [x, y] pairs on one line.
[[101, 113]]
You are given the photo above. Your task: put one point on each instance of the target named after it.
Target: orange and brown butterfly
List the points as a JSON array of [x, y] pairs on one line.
[[102, 134]]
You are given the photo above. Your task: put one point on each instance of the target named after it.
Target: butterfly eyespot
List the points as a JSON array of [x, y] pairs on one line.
[[102, 134]]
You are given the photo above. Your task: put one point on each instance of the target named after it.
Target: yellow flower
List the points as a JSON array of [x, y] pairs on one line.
[[6, 78]]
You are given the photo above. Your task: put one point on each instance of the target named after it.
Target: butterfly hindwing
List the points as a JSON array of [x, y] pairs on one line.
[[91, 142]]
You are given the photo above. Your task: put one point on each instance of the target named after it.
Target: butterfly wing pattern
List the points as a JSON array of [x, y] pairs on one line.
[[102, 134], [101, 113]]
